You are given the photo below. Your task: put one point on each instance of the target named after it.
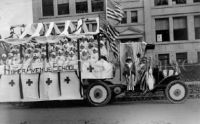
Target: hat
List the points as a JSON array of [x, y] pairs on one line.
[[90, 46], [128, 59], [60, 51], [4, 55], [71, 53], [37, 50], [95, 50]]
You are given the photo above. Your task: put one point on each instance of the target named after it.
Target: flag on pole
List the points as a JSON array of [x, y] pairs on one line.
[[111, 34], [114, 11]]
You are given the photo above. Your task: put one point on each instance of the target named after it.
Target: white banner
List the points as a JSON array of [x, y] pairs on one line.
[[30, 86], [9, 88], [49, 88], [70, 86]]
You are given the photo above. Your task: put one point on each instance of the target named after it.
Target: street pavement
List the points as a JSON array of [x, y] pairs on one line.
[[77, 112]]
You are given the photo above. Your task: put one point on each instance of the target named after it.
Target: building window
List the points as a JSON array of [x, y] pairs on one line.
[[97, 5], [197, 26], [94, 27], [124, 19], [181, 57], [179, 1], [160, 2], [195, 1], [198, 57], [180, 28], [63, 7], [134, 17], [81, 6], [164, 59], [47, 8], [162, 30]]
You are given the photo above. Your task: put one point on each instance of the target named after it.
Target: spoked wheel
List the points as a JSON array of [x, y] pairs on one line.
[[99, 94], [176, 92]]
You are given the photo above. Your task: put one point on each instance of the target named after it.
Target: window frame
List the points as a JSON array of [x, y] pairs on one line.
[[181, 58], [168, 30], [197, 29], [134, 11], [63, 4], [198, 57], [45, 6], [162, 57], [97, 1], [196, 1], [125, 18], [160, 3], [182, 31], [175, 2], [81, 3]]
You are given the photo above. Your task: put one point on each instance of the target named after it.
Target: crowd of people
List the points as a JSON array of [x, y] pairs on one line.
[[62, 53]]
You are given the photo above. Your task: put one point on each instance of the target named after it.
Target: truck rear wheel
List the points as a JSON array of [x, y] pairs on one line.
[[99, 94], [176, 92]]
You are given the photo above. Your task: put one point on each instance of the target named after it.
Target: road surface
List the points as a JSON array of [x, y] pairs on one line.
[[116, 113]]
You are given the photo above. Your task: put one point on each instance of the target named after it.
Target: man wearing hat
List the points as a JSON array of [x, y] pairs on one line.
[[129, 73]]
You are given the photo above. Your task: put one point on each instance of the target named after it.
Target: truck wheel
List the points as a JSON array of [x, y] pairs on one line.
[[176, 92], [99, 94]]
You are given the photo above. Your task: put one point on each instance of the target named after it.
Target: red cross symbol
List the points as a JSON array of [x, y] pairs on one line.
[[29, 82], [67, 80], [12, 83], [90, 68], [49, 81]]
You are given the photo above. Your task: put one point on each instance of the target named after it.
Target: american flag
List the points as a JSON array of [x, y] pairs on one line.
[[114, 11], [111, 34]]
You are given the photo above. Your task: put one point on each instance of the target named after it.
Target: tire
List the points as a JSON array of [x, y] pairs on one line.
[[176, 92], [99, 94]]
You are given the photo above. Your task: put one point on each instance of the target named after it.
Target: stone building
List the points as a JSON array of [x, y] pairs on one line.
[[172, 25]]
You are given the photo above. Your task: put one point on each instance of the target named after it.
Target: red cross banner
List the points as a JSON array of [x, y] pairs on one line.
[[49, 87], [100, 69], [70, 86], [9, 88], [87, 70], [30, 86]]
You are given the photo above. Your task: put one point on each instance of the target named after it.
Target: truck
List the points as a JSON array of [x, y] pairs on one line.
[[47, 63]]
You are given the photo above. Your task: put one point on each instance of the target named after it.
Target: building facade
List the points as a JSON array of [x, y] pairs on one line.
[[172, 25]]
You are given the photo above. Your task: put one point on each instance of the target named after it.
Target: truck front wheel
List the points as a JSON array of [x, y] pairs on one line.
[[176, 92], [99, 94]]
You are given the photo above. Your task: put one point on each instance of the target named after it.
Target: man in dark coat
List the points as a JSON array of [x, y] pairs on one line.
[[129, 74]]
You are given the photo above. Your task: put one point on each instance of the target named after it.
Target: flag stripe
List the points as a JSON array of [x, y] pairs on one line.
[[114, 10]]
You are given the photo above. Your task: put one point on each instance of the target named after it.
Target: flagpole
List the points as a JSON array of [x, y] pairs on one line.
[[106, 4]]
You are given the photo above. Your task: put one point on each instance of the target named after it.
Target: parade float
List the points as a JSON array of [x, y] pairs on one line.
[[47, 64]]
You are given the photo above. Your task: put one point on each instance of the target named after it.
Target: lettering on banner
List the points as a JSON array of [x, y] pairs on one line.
[[55, 68]]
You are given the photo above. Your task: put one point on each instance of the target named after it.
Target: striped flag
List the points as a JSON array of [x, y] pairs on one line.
[[114, 11], [111, 34]]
